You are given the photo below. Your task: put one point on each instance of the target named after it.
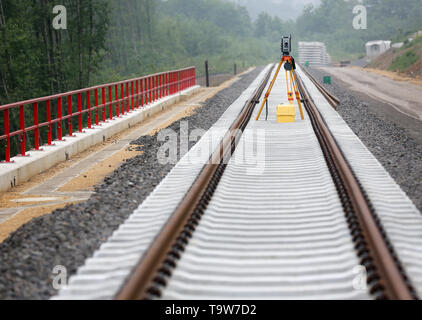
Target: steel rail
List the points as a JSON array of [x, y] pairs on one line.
[[386, 277], [175, 235], [332, 99]]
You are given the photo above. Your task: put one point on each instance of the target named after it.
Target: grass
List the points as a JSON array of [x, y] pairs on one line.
[[405, 61], [413, 43]]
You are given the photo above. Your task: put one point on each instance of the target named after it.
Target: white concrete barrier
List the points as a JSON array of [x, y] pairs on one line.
[[24, 168], [313, 52]]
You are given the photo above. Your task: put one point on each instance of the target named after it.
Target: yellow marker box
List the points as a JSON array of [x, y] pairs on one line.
[[286, 113]]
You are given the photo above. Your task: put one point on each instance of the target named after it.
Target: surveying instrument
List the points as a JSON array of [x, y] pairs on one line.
[[290, 66]]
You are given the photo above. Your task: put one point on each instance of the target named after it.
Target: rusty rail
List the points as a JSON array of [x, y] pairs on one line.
[[332, 99], [386, 277], [159, 259]]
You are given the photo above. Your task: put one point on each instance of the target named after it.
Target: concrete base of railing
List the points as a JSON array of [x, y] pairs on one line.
[[24, 168]]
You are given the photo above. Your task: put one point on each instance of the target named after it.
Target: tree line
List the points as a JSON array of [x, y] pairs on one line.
[[36, 59], [108, 40]]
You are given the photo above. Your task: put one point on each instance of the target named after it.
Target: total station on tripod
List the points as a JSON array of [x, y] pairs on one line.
[[286, 45], [285, 112]]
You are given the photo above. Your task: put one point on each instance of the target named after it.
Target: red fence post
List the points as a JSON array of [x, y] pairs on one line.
[[103, 102], [59, 116], [132, 94], [127, 99], [176, 82], [6, 133], [145, 92], [22, 128], [96, 106], [152, 89], [137, 94], [88, 106], [167, 84], [158, 87], [70, 113], [142, 92], [162, 86], [172, 82], [36, 130], [110, 107], [156, 91], [79, 112], [122, 93], [155, 88], [122, 96], [116, 93], [149, 89], [49, 128]]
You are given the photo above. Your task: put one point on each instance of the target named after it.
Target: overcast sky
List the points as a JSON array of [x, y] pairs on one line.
[[282, 8]]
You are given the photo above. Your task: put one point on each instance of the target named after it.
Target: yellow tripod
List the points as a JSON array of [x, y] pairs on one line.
[[289, 66]]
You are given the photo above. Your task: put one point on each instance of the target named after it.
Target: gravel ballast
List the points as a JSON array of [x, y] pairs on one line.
[[69, 236], [391, 144]]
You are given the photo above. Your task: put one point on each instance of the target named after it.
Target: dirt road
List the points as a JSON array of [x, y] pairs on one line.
[[402, 96]]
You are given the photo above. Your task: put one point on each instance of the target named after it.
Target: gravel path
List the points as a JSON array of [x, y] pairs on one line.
[[68, 236], [398, 152]]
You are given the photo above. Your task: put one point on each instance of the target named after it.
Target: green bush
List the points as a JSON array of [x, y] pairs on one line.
[[403, 62]]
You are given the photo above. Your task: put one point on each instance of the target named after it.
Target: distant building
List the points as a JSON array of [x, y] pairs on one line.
[[397, 45], [315, 53], [376, 48], [417, 34]]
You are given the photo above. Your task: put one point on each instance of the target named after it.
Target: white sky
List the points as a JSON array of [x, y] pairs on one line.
[[282, 8]]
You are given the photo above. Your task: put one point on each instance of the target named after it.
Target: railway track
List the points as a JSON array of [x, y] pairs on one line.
[[332, 99], [293, 223]]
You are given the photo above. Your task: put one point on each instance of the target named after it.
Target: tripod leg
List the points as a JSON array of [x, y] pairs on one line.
[[297, 95], [289, 86], [266, 117], [269, 90]]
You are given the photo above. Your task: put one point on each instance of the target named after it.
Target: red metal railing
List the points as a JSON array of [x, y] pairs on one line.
[[134, 93]]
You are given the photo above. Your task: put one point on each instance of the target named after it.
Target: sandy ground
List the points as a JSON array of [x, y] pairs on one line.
[[404, 96], [87, 180], [83, 182], [215, 79], [395, 76]]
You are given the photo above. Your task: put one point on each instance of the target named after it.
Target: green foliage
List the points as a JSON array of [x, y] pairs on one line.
[[109, 40], [37, 60], [179, 33], [413, 43], [332, 23], [404, 61]]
